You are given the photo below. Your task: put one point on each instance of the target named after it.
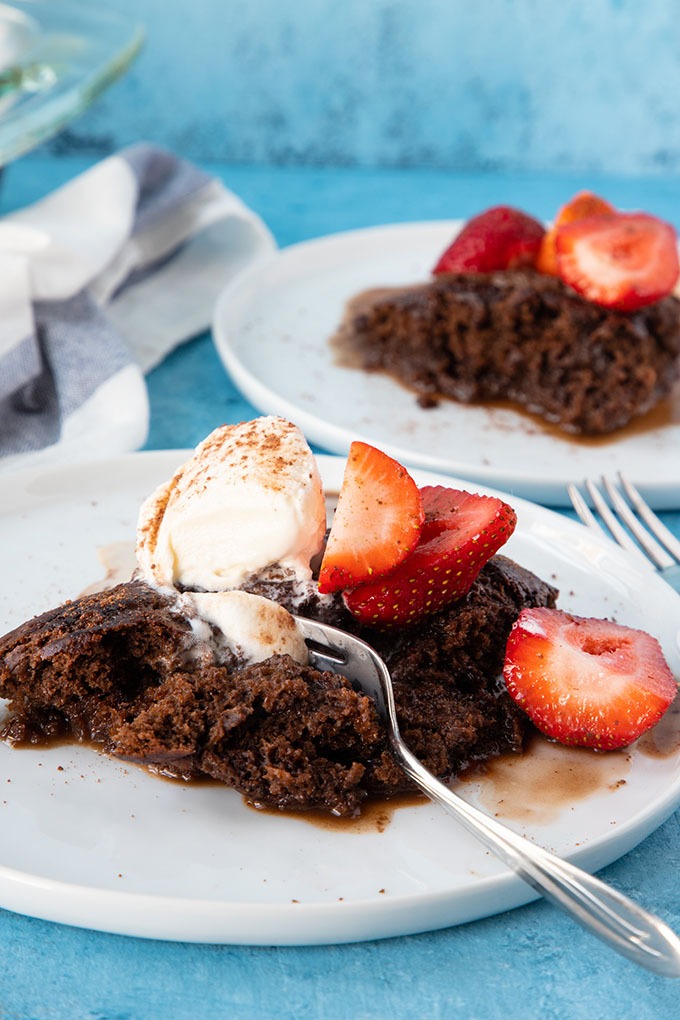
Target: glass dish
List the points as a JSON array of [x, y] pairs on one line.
[[55, 60]]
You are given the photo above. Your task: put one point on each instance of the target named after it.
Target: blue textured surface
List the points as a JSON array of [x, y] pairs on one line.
[[530, 963], [502, 85]]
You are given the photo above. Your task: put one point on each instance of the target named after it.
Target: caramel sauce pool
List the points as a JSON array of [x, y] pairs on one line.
[[376, 814], [548, 778], [537, 786], [532, 788], [664, 415]]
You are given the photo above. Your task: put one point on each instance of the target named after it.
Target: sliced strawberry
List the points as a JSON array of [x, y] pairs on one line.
[[377, 521], [499, 238], [624, 261], [587, 682], [461, 532], [583, 204]]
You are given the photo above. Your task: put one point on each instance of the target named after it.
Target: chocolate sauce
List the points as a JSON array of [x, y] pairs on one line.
[[664, 740], [537, 786], [376, 814], [666, 414]]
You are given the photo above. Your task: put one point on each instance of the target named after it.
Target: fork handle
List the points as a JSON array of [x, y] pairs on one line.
[[617, 920]]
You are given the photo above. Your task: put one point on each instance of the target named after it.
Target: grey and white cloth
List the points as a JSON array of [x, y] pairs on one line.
[[98, 282]]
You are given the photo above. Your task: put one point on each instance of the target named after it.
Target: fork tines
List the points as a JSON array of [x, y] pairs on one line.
[[623, 510]]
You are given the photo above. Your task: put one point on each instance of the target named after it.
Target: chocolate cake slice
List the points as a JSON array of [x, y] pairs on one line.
[[522, 336], [128, 671]]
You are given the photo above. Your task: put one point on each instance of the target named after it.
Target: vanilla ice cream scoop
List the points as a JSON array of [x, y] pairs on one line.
[[248, 502]]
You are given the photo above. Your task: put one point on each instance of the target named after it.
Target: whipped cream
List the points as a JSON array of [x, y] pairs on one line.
[[248, 503]]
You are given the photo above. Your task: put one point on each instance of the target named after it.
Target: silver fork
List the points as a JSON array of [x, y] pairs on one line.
[[615, 919], [624, 508]]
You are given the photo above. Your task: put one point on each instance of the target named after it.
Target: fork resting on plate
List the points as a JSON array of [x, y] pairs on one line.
[[625, 926], [625, 513]]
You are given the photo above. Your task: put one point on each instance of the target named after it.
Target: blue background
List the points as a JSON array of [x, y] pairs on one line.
[[585, 85], [325, 116]]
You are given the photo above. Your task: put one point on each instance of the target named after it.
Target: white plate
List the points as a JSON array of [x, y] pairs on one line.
[[87, 841], [272, 325]]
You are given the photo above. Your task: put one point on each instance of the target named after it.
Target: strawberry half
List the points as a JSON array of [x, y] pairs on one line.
[[624, 261], [377, 521], [499, 238], [462, 531], [582, 205], [587, 682]]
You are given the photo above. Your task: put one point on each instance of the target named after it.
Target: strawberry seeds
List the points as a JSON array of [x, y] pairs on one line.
[[398, 554], [617, 260]]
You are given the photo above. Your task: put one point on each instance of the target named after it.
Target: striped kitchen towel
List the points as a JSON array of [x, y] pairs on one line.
[[98, 282]]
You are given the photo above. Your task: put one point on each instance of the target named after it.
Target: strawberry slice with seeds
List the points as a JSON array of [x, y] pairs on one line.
[[499, 238], [592, 683], [582, 205], [624, 261], [377, 521], [461, 532]]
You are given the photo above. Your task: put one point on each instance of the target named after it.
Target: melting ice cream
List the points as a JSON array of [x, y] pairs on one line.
[[248, 504]]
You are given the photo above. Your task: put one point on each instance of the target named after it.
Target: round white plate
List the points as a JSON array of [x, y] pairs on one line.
[[272, 325], [91, 842]]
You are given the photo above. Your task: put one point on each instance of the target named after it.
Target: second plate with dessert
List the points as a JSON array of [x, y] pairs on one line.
[[273, 325]]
